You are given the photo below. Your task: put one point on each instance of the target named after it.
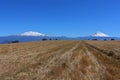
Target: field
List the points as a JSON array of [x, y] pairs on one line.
[[60, 60]]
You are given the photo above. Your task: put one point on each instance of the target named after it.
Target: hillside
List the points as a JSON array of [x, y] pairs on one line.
[[60, 60]]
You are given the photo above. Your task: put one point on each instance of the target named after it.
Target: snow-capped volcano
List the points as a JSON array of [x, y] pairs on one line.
[[31, 33], [99, 34]]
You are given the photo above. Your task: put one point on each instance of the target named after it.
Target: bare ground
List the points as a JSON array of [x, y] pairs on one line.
[[60, 60]]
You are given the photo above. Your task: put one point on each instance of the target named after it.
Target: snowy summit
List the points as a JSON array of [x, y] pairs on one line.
[[99, 34], [31, 33]]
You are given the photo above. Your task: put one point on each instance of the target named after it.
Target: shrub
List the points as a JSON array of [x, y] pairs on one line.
[[105, 39], [16, 41], [111, 53], [50, 39], [94, 39], [112, 39], [56, 39], [44, 39]]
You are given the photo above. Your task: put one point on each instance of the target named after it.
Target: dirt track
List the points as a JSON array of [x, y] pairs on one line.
[[57, 60]]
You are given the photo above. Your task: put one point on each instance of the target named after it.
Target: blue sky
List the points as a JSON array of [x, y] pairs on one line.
[[60, 17]]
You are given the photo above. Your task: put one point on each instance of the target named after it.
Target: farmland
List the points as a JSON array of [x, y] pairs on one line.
[[60, 60]]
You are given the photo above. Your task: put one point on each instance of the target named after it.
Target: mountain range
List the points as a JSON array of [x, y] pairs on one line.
[[36, 36]]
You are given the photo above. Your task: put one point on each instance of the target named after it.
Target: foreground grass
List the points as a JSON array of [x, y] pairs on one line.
[[60, 60]]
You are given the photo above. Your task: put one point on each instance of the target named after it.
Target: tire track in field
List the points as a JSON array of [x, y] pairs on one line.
[[108, 68], [59, 64], [53, 61], [98, 67], [78, 63]]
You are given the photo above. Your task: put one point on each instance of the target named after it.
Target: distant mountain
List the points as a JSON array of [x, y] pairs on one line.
[[8, 39], [36, 36], [30, 36], [99, 34], [97, 38], [31, 33]]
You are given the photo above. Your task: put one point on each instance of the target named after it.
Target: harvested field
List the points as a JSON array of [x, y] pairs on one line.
[[60, 60]]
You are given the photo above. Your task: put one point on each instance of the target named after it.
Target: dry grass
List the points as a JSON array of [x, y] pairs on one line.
[[60, 60], [112, 63]]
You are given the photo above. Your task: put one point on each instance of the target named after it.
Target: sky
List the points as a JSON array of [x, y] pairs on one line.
[[60, 17]]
